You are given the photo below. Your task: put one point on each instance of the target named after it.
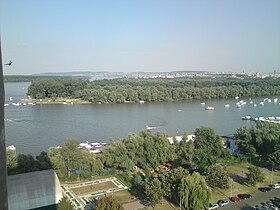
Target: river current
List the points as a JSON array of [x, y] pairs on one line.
[[33, 129]]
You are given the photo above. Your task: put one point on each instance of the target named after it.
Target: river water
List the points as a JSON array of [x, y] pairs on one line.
[[33, 129]]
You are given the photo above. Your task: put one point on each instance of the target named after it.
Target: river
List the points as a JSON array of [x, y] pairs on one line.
[[33, 129]]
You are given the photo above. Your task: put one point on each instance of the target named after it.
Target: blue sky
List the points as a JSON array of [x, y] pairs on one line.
[[140, 35]]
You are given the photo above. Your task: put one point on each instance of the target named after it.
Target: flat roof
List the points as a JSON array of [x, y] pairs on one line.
[[33, 190]]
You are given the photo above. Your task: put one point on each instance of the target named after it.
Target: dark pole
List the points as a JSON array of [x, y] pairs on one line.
[[3, 168]]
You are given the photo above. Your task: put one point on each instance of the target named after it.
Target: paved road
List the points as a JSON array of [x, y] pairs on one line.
[[250, 203]]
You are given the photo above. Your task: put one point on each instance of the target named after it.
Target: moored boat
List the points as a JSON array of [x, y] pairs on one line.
[[209, 108]]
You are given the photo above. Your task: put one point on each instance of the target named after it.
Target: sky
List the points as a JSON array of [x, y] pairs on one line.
[[140, 35]]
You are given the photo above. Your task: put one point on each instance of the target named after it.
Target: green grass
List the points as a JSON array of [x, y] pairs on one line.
[[238, 173], [93, 188]]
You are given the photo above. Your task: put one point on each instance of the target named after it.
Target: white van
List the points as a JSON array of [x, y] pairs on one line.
[[275, 186]]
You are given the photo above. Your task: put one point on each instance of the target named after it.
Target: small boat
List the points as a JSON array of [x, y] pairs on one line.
[[269, 100], [227, 105], [11, 98], [179, 110], [255, 105], [238, 105], [248, 117], [236, 97], [202, 103], [209, 108], [275, 100], [16, 104], [262, 103], [64, 103], [6, 104], [251, 102]]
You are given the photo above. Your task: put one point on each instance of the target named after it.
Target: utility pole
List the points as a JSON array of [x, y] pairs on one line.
[[3, 168]]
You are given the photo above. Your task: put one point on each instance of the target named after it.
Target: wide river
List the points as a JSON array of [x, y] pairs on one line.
[[33, 129]]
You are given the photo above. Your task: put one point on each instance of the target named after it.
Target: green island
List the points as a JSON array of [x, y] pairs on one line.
[[127, 90], [188, 173]]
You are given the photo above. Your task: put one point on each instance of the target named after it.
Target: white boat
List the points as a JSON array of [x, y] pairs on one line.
[[202, 103], [11, 98], [64, 103], [275, 100], [179, 110], [16, 104], [209, 108], [255, 105], [251, 102], [6, 104], [236, 97], [269, 100], [248, 117], [238, 105], [262, 103], [227, 105]]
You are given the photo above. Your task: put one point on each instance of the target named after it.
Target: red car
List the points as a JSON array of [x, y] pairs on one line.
[[235, 199]]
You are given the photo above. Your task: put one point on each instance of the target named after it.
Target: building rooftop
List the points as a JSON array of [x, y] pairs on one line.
[[33, 190]]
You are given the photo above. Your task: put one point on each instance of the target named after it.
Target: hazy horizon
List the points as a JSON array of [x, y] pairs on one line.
[[140, 36]]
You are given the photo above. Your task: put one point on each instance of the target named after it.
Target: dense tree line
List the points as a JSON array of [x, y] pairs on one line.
[[29, 78], [151, 90], [262, 140]]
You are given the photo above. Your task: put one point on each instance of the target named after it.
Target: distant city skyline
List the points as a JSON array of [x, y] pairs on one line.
[[140, 35]]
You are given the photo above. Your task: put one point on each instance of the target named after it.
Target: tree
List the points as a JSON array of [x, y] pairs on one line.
[[193, 192], [274, 159], [71, 155], [44, 161], [11, 161], [64, 204], [217, 177], [207, 142], [108, 203], [154, 192], [255, 175]]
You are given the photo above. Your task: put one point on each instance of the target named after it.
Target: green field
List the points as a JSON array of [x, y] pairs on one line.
[[237, 186], [93, 188]]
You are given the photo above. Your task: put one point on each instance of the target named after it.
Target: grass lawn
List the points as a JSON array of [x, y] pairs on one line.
[[238, 175], [122, 196], [93, 188]]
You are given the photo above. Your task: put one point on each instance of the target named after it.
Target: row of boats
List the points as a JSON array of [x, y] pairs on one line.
[[242, 103], [270, 119]]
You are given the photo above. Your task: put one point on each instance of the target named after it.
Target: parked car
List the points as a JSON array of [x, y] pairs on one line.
[[259, 207], [235, 199], [223, 202], [213, 206], [244, 196], [264, 189], [275, 186]]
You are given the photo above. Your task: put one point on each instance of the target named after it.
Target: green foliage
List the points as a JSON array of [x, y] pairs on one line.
[[217, 177], [263, 139], [134, 90], [255, 175], [193, 192], [274, 159], [154, 192], [145, 150], [207, 142], [185, 152], [69, 157], [108, 203], [11, 161], [65, 204]]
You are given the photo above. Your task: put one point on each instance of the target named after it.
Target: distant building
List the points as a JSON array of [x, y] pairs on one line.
[[33, 190]]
